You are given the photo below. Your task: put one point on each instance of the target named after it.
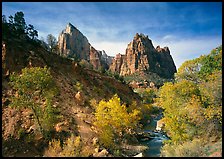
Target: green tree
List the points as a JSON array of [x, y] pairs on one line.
[[4, 20], [11, 20], [32, 33], [52, 42], [197, 70], [5, 27], [17, 27], [35, 89], [20, 23], [211, 62]]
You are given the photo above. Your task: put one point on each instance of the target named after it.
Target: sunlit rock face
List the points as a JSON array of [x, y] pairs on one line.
[[141, 56], [72, 43]]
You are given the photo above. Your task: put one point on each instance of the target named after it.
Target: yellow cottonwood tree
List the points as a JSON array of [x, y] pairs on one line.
[[113, 119]]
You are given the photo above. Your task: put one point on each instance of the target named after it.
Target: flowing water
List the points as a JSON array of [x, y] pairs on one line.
[[155, 143]]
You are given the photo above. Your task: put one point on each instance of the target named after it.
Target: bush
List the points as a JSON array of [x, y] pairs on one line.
[[193, 148], [85, 64], [72, 147], [78, 86]]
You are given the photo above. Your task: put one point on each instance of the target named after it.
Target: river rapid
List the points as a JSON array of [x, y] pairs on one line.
[[156, 142]]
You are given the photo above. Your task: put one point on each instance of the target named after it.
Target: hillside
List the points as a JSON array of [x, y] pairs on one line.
[[70, 78]]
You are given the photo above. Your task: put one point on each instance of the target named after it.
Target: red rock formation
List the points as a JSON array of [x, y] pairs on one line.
[[141, 56], [72, 43], [95, 58]]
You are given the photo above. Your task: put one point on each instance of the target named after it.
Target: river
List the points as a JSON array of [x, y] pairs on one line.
[[155, 143]]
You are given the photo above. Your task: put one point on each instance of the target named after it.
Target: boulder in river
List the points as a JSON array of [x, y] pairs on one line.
[[160, 125], [139, 155]]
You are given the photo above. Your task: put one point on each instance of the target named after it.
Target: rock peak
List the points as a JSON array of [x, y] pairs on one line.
[[141, 35], [70, 28], [73, 44], [141, 56], [70, 25]]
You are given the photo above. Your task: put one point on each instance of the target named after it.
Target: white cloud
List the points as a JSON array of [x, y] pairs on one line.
[[168, 38], [112, 32], [111, 48]]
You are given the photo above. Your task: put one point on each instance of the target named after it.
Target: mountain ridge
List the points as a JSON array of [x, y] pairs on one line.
[[140, 55]]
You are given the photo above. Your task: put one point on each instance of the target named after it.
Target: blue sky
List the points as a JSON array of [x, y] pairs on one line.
[[189, 29]]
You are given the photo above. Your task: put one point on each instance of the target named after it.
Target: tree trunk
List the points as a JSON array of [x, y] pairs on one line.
[[38, 121]]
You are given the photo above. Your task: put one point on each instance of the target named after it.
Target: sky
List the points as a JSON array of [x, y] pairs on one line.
[[189, 29]]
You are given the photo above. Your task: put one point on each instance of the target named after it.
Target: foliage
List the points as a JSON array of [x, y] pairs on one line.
[[211, 62], [193, 148], [199, 69], [189, 70], [176, 100], [113, 120], [19, 23], [147, 94], [72, 147], [17, 27], [193, 105], [52, 43], [115, 75], [211, 92], [32, 33], [35, 89], [85, 64], [78, 86]]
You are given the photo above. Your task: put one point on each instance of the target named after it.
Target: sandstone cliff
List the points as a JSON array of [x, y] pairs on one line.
[[141, 56], [72, 43]]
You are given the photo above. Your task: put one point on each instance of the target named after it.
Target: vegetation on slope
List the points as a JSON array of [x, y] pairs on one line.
[[193, 107], [52, 98]]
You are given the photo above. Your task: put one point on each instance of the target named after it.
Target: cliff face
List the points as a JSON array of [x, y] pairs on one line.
[[72, 43], [141, 56]]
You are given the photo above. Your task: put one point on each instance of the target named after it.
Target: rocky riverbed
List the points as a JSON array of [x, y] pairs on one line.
[[152, 138]]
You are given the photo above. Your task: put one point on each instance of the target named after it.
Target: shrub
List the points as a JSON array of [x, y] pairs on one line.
[[193, 148], [78, 86], [72, 147]]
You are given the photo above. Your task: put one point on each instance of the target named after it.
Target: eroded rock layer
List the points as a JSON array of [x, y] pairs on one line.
[[141, 56]]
